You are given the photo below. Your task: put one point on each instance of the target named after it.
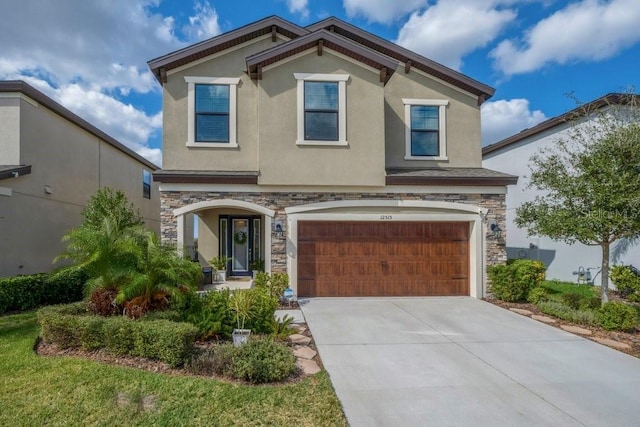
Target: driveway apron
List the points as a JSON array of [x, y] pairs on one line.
[[464, 362]]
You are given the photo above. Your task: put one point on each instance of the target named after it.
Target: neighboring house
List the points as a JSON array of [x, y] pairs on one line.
[[511, 155], [51, 162], [349, 162]]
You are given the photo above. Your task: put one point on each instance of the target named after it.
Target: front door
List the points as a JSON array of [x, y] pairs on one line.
[[240, 244]]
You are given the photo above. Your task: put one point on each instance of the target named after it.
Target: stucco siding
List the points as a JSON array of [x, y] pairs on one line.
[[462, 121], [176, 154], [10, 134], [283, 162], [68, 166]]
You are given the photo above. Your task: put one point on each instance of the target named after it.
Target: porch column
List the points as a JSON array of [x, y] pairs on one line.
[[180, 234], [188, 235], [267, 243]]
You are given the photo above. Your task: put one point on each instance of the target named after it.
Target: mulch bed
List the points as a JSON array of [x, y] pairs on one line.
[[630, 338]]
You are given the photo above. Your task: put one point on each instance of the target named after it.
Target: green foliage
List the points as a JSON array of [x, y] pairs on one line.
[[27, 292], [261, 360], [627, 283], [590, 303], [572, 300], [557, 288], [561, 311], [108, 202], [257, 264], [262, 311], [590, 182], [617, 316], [537, 295], [513, 282], [274, 284], [219, 263], [242, 304], [170, 342], [281, 328]]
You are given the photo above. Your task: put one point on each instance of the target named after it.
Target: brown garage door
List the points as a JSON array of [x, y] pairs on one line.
[[383, 258]]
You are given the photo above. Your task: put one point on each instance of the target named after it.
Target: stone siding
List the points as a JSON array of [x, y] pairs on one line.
[[171, 200]]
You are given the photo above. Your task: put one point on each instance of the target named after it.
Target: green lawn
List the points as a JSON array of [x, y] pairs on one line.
[[37, 390], [557, 288]]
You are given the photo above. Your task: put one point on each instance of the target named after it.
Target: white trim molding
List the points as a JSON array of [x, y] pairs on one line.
[[232, 82], [442, 127], [342, 106], [388, 211], [223, 203]]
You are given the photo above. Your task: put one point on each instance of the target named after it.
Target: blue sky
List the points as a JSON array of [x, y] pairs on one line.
[[91, 56]]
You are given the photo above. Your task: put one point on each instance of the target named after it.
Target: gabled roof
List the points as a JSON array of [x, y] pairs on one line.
[[320, 39], [405, 56], [609, 99], [269, 25], [18, 86], [365, 42]]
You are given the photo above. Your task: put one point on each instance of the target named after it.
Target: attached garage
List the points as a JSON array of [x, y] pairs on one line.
[[396, 258]]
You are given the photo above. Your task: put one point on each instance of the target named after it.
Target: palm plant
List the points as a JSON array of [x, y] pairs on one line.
[[159, 274]]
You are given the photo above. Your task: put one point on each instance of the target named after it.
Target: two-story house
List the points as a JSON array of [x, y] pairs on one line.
[[334, 155], [51, 163]]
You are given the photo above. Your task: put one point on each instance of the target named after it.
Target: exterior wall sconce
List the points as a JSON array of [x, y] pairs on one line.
[[277, 229], [495, 229]]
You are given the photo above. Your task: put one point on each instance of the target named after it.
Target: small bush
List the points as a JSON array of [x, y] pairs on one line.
[[590, 303], [537, 295], [572, 300], [274, 284], [561, 311], [617, 316], [513, 282], [261, 360], [170, 342], [626, 281]]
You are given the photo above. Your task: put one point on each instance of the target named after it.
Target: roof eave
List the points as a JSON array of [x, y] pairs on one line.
[[15, 171]]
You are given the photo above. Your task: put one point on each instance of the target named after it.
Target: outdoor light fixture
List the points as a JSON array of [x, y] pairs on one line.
[[495, 229], [279, 232]]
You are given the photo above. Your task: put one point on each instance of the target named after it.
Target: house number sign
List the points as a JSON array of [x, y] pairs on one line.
[[386, 217]]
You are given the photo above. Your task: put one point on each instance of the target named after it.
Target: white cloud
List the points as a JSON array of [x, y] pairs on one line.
[[383, 11], [589, 30], [503, 118], [448, 30], [88, 54], [299, 6], [204, 24]]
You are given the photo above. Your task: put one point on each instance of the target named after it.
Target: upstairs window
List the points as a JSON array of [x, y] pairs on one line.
[[212, 112], [321, 111], [425, 135], [146, 184], [322, 116]]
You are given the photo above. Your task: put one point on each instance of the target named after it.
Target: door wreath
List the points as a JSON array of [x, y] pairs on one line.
[[240, 237]]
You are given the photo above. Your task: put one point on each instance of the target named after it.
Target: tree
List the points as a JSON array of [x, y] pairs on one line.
[[113, 204], [590, 180]]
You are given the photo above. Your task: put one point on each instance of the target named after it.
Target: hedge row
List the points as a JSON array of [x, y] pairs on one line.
[[27, 292], [71, 326]]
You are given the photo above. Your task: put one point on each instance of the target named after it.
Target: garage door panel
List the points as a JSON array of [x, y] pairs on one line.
[[382, 258]]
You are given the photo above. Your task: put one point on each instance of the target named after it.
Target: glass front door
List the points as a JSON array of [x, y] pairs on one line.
[[240, 246]]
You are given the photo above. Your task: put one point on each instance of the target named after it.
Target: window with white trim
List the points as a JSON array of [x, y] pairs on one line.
[[425, 124], [212, 120], [322, 115]]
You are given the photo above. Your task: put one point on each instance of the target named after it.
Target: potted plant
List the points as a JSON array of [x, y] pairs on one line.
[[257, 265], [241, 302], [219, 264]]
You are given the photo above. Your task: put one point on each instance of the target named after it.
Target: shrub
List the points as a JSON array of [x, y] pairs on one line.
[[572, 300], [537, 295], [274, 284], [590, 303], [617, 316], [513, 282], [170, 342], [561, 311], [30, 291], [261, 360], [626, 281]]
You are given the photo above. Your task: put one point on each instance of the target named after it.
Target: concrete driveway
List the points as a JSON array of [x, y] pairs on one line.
[[465, 362]]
